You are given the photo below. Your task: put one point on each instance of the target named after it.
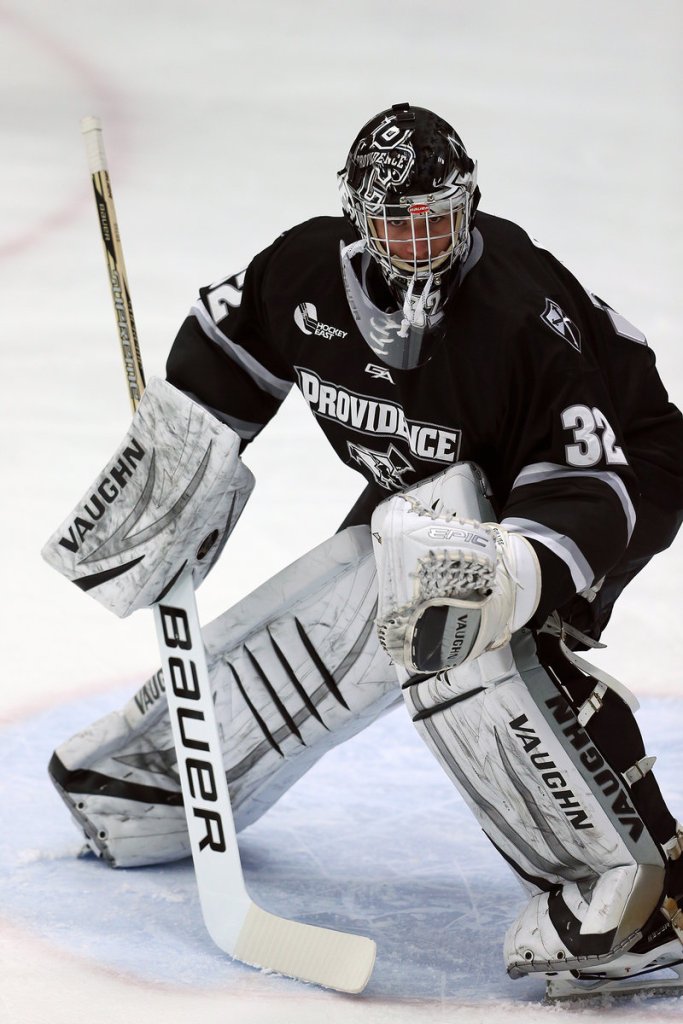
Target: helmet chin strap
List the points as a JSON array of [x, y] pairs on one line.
[[414, 313]]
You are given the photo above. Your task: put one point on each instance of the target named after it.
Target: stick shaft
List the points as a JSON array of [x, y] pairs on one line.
[[116, 267]]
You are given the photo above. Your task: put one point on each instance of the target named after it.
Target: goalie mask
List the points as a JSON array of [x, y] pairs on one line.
[[409, 189]]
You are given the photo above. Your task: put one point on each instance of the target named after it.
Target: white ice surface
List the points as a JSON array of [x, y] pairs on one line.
[[225, 123]]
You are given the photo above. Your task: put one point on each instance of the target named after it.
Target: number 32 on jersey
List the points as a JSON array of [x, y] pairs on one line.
[[593, 437]]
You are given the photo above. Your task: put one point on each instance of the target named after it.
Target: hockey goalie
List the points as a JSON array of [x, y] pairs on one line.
[[523, 463]]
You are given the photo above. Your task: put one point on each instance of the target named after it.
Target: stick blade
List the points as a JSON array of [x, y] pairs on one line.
[[336, 960]]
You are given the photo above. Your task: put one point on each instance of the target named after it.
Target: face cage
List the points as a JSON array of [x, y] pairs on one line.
[[396, 235]]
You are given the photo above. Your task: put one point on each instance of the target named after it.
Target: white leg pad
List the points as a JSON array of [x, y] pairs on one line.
[[295, 668], [547, 799]]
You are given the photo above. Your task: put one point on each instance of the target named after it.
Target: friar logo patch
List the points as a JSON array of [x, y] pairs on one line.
[[388, 467], [559, 322]]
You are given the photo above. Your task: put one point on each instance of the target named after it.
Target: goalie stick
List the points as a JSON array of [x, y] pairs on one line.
[[333, 959]]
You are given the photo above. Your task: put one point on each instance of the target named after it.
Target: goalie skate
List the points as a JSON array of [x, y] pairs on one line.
[[654, 964]]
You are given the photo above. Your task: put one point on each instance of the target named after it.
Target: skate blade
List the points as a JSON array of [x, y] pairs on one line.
[[662, 980]]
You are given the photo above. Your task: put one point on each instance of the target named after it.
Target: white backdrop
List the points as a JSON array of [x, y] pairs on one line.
[[225, 123]]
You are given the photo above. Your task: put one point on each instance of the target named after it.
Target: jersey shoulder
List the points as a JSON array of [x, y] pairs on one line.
[[525, 291], [530, 267], [518, 258], [302, 265], [313, 236]]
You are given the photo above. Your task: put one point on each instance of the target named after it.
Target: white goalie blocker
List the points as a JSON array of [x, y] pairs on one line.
[[166, 503]]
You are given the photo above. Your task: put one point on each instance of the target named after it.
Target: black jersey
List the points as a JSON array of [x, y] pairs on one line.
[[553, 394]]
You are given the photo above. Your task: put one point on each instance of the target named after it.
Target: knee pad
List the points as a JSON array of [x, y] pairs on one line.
[[295, 669]]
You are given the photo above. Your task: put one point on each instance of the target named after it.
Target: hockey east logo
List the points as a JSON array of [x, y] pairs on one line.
[[379, 417], [306, 319]]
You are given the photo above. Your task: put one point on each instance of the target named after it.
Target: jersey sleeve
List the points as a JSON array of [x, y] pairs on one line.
[[652, 425], [223, 356], [573, 494]]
